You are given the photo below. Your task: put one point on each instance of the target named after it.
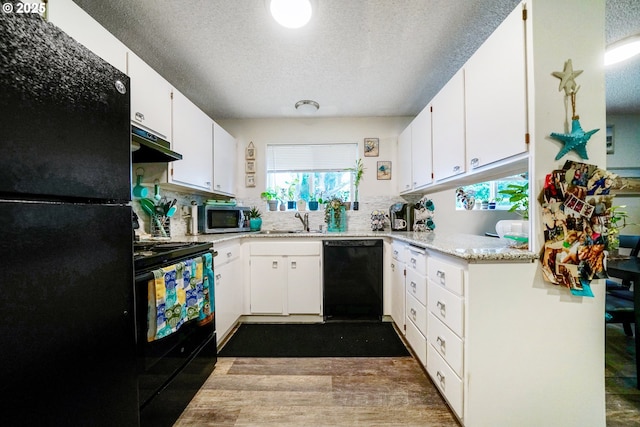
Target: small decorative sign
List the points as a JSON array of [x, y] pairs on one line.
[[250, 166], [250, 180], [250, 152]]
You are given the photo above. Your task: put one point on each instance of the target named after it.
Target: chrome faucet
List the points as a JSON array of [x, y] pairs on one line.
[[305, 220]]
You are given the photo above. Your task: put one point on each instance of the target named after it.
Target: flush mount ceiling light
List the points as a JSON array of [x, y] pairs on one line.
[[307, 106], [291, 13], [622, 50]]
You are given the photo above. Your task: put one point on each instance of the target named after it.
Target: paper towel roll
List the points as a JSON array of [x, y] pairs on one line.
[[194, 218]]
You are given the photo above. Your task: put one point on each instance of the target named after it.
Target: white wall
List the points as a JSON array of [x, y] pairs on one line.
[[373, 193], [626, 141], [624, 162]]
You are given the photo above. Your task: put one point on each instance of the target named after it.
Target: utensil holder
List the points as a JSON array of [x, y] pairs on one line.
[[160, 226]]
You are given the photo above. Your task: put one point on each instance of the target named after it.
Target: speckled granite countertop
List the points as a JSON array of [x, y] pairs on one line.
[[466, 246]]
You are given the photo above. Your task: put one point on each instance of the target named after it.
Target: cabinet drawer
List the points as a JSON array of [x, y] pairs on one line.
[[449, 384], [416, 259], [447, 307], [398, 251], [445, 342], [446, 274], [417, 313], [417, 286], [226, 253], [285, 248], [417, 341]]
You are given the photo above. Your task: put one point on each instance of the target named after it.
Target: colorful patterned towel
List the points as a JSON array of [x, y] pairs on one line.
[[176, 295]]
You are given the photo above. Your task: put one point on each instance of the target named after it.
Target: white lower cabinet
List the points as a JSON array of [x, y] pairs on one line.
[[416, 301], [417, 341], [445, 351], [449, 384], [285, 278], [398, 292], [228, 288]]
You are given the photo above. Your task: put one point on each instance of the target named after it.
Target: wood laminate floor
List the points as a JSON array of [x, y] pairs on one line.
[[391, 391]]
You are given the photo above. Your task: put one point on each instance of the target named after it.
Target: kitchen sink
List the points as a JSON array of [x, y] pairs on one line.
[[288, 232]]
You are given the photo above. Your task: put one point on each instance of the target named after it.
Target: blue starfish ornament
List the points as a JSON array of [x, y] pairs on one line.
[[576, 140]]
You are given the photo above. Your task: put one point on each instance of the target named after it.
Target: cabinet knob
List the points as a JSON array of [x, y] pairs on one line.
[[441, 306], [274, 264], [475, 162], [440, 377], [413, 285], [456, 168], [218, 276], [139, 116], [440, 275], [413, 313], [293, 265], [441, 342]]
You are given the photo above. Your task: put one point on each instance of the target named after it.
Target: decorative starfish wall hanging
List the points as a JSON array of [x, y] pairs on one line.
[[578, 138]]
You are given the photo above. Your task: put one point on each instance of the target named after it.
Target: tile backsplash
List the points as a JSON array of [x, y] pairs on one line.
[[359, 220]]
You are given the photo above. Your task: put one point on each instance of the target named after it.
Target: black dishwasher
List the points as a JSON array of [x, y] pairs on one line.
[[352, 271]]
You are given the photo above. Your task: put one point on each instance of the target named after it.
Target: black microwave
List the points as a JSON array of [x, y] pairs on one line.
[[222, 219]]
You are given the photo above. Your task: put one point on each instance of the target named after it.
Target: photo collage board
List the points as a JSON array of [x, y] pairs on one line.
[[575, 204]]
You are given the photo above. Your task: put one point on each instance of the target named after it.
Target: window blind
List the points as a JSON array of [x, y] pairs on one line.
[[310, 157]]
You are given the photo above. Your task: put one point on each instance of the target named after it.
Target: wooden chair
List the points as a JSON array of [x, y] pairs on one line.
[[619, 306]]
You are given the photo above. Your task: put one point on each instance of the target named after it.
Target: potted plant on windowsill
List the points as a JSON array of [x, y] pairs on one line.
[[291, 193], [271, 197], [282, 195], [357, 171], [519, 198], [313, 201], [255, 220]]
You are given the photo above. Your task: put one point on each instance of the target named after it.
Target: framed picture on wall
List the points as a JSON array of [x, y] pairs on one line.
[[250, 152], [371, 147], [610, 142], [250, 166], [250, 180], [383, 171]]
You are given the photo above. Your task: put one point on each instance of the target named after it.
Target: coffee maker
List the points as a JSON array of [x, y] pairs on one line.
[[401, 217]]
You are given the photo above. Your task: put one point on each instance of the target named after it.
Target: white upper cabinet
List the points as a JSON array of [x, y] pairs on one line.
[[421, 163], [224, 161], [77, 23], [192, 137], [495, 95], [404, 160], [150, 98], [448, 129]]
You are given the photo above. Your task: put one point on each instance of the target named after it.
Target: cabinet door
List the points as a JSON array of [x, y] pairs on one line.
[[77, 23], [228, 297], [398, 294], [223, 300], [404, 160], [303, 282], [224, 161], [448, 129], [495, 95], [268, 283], [421, 162], [150, 97], [191, 138]]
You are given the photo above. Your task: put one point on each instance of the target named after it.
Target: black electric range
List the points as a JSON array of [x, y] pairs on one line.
[[171, 369], [151, 255]]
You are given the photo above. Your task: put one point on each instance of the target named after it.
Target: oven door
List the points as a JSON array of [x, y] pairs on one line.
[[159, 361]]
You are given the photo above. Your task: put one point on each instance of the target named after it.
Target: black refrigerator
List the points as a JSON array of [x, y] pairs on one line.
[[67, 334]]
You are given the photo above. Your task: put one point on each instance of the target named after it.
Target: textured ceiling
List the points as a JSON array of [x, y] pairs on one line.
[[355, 58]]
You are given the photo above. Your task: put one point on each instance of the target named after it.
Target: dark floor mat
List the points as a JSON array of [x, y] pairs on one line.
[[343, 339]]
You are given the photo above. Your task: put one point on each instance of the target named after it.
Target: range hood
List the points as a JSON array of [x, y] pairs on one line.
[[149, 148]]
